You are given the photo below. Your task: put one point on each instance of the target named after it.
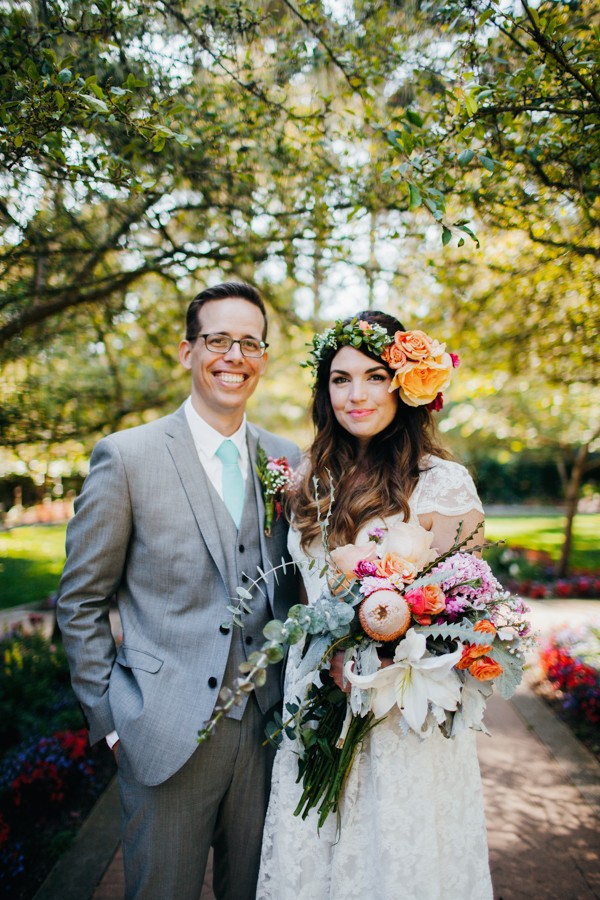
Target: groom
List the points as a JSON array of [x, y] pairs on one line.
[[170, 520]]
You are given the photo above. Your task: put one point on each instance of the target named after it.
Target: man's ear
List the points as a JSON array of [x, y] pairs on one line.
[[185, 352]]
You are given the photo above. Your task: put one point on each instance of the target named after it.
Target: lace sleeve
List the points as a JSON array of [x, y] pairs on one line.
[[445, 487]]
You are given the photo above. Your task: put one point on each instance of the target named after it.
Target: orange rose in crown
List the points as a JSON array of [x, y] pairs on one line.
[[422, 368]]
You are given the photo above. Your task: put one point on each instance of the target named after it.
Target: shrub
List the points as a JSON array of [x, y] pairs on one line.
[[49, 775], [35, 683]]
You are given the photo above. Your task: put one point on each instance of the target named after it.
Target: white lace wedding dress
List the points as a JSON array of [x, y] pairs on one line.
[[412, 816]]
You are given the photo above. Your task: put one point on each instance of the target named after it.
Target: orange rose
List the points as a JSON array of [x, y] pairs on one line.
[[426, 602], [394, 356], [415, 344], [419, 383], [485, 668], [472, 652], [485, 627], [394, 564]]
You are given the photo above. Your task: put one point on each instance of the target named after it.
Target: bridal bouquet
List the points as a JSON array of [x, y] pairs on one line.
[[426, 638]]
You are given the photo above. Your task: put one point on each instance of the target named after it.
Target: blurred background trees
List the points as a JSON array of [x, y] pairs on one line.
[[436, 159]]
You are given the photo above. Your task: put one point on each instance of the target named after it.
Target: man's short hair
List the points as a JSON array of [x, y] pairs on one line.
[[228, 289]]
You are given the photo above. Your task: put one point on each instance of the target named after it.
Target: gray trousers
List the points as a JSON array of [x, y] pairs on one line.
[[218, 797]]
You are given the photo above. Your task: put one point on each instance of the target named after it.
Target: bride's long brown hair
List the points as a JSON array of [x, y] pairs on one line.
[[367, 484]]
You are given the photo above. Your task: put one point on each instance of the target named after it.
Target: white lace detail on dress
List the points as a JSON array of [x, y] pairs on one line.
[[444, 487]]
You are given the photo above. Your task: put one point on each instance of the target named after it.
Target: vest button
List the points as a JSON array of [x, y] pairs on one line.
[[249, 639], [223, 629], [241, 548], [212, 682]]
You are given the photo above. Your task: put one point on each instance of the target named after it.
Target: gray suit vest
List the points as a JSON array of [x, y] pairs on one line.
[[243, 547]]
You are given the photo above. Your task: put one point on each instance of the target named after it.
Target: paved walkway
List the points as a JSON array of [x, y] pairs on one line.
[[542, 796]]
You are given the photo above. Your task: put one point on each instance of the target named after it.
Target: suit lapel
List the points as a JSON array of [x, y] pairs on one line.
[[180, 444]]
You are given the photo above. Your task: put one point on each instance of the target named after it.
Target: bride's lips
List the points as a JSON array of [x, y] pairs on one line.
[[360, 413]]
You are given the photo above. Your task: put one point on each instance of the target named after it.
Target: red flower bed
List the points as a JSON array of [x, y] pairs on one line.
[[570, 663]]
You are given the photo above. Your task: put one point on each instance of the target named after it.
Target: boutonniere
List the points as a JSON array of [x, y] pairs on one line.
[[275, 476]]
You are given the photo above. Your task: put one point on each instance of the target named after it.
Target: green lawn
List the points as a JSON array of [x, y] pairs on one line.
[[32, 557], [546, 533], [31, 561]]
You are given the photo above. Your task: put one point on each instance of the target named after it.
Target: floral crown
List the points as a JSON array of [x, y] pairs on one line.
[[422, 367], [357, 333]]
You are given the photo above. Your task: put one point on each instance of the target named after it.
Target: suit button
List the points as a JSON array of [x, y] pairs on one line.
[[212, 681], [244, 577], [223, 629], [249, 639], [241, 548]]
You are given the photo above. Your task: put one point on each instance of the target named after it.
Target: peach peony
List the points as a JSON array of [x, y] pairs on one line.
[[411, 542], [347, 557], [394, 564], [426, 602], [485, 668], [419, 383], [384, 615]]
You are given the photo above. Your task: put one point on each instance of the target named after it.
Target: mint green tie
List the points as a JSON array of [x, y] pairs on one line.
[[234, 488]]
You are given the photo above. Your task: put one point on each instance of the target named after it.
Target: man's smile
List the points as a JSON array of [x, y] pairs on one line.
[[230, 377]]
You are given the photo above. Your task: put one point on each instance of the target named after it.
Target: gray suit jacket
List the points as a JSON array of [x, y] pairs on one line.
[[144, 530]]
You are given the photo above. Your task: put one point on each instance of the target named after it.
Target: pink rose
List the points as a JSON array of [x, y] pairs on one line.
[[426, 602], [346, 558]]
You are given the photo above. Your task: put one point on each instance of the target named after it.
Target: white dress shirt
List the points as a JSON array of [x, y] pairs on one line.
[[208, 440]]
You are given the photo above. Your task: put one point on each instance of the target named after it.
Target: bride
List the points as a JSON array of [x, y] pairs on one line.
[[412, 820]]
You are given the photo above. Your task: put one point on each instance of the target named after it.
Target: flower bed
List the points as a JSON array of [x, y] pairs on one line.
[[530, 573], [570, 665], [49, 776]]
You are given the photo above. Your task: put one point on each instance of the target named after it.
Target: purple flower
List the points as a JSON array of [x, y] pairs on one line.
[[470, 580], [376, 534]]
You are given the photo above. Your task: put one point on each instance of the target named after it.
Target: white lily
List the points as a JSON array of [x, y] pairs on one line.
[[412, 681]]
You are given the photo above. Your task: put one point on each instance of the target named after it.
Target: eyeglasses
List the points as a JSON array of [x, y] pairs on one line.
[[222, 343]]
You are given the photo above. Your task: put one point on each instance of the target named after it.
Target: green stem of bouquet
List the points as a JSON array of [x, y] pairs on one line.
[[324, 768]]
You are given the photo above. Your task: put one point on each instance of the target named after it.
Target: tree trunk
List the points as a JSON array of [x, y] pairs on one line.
[[572, 498]]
